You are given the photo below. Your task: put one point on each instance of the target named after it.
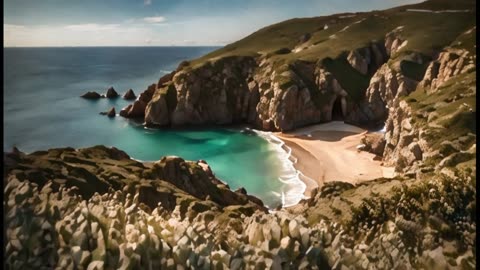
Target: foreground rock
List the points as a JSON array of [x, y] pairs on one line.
[[91, 95], [129, 95], [85, 208]]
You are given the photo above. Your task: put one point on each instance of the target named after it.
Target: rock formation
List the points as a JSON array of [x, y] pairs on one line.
[[111, 112], [91, 95], [111, 93], [137, 109], [129, 95], [449, 64], [259, 92]]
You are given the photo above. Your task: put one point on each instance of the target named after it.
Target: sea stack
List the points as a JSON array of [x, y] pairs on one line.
[[111, 112], [111, 93], [91, 95], [129, 95]]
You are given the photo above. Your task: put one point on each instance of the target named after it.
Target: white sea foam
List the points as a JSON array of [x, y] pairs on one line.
[[294, 188]]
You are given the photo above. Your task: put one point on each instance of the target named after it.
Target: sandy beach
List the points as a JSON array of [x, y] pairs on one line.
[[327, 152]]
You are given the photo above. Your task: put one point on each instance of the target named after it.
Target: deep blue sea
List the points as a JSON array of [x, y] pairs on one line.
[[42, 110]]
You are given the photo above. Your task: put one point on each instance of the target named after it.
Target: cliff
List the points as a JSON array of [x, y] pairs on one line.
[[349, 67]]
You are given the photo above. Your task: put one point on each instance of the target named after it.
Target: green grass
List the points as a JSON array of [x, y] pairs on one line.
[[466, 41], [426, 33]]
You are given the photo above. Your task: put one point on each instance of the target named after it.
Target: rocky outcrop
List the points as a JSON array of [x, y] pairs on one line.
[[109, 113], [240, 90], [111, 93], [386, 88], [368, 59], [285, 101], [150, 223], [394, 41], [129, 95], [448, 64], [87, 170], [403, 145], [137, 109], [91, 95], [387, 84], [374, 143]]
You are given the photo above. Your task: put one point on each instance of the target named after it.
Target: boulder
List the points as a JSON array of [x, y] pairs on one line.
[[124, 112], [373, 143], [129, 95], [111, 93], [109, 113], [91, 95], [135, 110]]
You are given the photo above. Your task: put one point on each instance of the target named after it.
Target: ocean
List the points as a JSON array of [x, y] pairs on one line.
[[42, 110]]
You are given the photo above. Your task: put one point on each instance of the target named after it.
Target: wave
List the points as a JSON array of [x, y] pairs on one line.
[[294, 188]]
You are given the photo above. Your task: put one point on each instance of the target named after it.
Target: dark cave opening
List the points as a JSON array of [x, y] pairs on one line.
[[337, 114]]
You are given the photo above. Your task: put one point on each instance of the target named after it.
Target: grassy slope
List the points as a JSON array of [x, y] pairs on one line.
[[425, 32]]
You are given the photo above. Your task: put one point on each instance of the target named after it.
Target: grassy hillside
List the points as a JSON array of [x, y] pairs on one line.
[[329, 36]]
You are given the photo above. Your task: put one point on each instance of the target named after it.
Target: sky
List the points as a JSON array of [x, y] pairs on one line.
[[45, 23]]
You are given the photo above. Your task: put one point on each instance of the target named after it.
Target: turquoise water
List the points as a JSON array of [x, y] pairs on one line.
[[42, 109]]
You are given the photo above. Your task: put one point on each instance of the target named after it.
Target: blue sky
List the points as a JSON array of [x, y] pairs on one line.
[[158, 22]]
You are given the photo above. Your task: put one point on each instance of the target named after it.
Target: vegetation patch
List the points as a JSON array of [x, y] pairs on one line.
[[413, 70], [349, 78]]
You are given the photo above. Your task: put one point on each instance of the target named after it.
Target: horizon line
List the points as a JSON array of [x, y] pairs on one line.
[[113, 46]]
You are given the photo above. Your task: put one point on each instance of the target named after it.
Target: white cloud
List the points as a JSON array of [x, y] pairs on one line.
[[156, 19], [12, 27], [147, 2], [89, 27]]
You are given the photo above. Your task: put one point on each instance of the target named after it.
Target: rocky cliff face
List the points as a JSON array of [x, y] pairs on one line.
[[386, 87], [403, 147], [273, 96], [450, 63], [240, 90], [368, 59], [412, 124]]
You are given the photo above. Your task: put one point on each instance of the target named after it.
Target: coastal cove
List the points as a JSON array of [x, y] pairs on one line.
[[45, 111]]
